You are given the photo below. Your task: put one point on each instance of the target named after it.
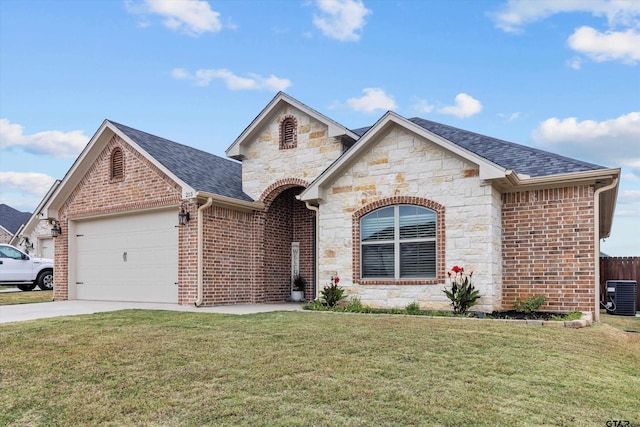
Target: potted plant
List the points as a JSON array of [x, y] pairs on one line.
[[297, 293]]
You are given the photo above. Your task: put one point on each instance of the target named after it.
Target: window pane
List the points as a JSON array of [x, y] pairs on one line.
[[418, 259], [378, 261], [377, 225], [417, 222]]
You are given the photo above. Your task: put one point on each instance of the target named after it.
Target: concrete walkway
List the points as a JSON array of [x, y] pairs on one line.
[[21, 312]]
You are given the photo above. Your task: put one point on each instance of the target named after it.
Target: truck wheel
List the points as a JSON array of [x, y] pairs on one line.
[[45, 280], [26, 287]]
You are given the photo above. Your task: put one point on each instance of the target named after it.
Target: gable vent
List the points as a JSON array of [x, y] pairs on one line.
[[288, 133], [117, 164]]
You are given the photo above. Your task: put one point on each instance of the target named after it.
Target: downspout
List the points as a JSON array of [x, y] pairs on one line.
[[200, 249], [596, 241], [317, 257]]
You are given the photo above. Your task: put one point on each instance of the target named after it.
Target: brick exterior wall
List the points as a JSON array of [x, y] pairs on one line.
[[286, 220], [548, 248], [144, 186]]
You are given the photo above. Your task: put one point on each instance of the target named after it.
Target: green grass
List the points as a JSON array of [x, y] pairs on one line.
[[139, 367], [9, 298]]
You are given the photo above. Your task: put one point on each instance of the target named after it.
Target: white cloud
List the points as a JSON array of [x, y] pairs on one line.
[[613, 141], [629, 196], [510, 117], [192, 17], [26, 182], [51, 143], [575, 63], [465, 106], [341, 19], [203, 77], [423, 106], [516, 14], [373, 100], [609, 46]]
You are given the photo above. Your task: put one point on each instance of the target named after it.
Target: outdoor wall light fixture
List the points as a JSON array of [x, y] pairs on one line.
[[56, 230], [183, 217]]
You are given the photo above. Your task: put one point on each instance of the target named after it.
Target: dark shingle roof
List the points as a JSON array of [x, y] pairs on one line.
[[520, 158], [12, 219], [201, 170]]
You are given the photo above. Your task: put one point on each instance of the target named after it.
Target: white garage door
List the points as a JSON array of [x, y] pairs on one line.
[[128, 258]]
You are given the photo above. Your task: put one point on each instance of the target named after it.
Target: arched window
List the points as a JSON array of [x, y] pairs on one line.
[[288, 133], [399, 242], [117, 164]]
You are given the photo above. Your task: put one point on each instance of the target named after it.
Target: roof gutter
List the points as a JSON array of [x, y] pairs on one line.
[[596, 243], [200, 249], [520, 182], [230, 202]]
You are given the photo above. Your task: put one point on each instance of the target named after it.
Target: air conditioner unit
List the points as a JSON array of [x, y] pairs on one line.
[[621, 297]]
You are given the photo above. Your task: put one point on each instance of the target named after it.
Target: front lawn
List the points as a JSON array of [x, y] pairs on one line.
[[138, 367], [10, 298]]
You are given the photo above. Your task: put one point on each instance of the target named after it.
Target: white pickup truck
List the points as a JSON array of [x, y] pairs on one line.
[[24, 271]]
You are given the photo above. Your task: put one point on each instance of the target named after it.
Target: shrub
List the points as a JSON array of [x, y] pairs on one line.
[[530, 304], [355, 305], [462, 294], [413, 308], [333, 294]]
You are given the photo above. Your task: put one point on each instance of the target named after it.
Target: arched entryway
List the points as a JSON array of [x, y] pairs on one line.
[[287, 220]]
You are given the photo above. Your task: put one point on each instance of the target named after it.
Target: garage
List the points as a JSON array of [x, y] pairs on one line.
[[130, 257]]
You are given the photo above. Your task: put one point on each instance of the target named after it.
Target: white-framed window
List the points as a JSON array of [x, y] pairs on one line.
[[398, 242]]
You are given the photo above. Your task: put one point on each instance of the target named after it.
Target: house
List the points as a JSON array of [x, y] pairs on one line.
[[10, 222], [388, 208], [34, 236]]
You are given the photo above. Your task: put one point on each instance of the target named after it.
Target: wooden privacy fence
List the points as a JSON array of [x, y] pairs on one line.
[[619, 268]]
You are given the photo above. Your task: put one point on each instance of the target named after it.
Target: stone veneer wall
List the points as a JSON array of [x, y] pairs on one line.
[[548, 248], [266, 163], [144, 186], [5, 236], [403, 164]]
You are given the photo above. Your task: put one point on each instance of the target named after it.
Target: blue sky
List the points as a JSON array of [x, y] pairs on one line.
[[563, 76]]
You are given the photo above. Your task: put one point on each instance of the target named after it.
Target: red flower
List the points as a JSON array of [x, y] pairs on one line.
[[449, 273], [456, 269], [336, 280]]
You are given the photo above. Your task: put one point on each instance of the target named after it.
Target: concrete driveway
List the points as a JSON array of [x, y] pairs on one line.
[[21, 312]]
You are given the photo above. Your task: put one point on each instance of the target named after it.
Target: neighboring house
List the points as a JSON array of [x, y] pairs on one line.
[[10, 222], [34, 236], [389, 209]]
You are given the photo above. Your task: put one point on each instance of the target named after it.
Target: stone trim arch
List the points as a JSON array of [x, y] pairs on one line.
[[400, 200]]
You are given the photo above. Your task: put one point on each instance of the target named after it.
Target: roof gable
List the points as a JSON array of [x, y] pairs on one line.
[[524, 160], [11, 219], [200, 170], [194, 170], [370, 136], [519, 158], [236, 150]]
